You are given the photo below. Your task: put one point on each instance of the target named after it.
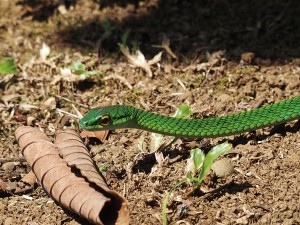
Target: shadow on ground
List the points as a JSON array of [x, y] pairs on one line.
[[269, 28]]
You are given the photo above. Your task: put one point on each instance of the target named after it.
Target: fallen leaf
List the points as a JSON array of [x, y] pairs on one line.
[[26, 183], [3, 187], [138, 59], [29, 178], [100, 135], [67, 173], [19, 116]]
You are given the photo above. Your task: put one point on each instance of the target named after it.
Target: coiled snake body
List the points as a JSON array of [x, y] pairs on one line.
[[121, 116]]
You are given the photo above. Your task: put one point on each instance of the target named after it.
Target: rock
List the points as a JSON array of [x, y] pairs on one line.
[[8, 221], [8, 167], [242, 220], [247, 57], [222, 168]]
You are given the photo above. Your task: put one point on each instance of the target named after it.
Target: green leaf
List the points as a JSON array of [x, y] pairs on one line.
[[213, 154], [8, 66], [183, 111], [164, 208], [135, 45], [166, 199], [124, 37], [103, 168], [108, 28], [198, 158], [92, 73], [190, 177], [77, 67]]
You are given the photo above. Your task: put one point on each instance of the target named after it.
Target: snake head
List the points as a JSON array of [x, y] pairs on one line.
[[107, 118]]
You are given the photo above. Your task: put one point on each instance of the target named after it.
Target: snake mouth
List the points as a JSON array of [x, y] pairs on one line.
[[86, 126], [91, 127], [83, 124]]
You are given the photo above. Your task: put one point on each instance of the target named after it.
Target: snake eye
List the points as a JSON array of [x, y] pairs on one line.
[[105, 120]]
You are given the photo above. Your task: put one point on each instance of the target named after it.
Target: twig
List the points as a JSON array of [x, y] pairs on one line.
[[259, 104], [181, 84], [20, 159], [67, 113], [173, 160], [77, 111]]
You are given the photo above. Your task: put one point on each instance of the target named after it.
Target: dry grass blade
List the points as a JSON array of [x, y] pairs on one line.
[[62, 178]]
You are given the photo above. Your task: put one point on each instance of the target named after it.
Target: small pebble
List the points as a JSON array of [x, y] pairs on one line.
[[222, 168], [8, 167], [247, 57], [8, 221]]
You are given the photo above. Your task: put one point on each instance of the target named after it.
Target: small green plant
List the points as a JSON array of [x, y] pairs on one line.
[[103, 168], [135, 45], [198, 166], [124, 41], [165, 202], [201, 163], [78, 68], [107, 27], [124, 38], [8, 66]]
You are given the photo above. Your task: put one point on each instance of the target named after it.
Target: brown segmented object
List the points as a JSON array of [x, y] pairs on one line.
[[68, 175], [74, 152]]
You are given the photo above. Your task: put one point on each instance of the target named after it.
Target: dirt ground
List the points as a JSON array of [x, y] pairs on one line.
[[230, 57]]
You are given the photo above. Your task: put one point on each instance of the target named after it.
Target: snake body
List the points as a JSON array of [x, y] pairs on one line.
[[121, 116]]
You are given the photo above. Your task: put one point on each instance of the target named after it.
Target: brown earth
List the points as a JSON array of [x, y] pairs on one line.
[[231, 57]]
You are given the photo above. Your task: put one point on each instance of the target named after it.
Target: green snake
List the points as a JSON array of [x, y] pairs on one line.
[[121, 116]]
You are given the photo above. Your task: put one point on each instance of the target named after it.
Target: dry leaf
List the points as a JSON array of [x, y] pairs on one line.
[[9, 98], [72, 150], [29, 178], [101, 135], [26, 183], [72, 180], [3, 187], [138, 59], [19, 116], [49, 104], [44, 51], [166, 45]]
